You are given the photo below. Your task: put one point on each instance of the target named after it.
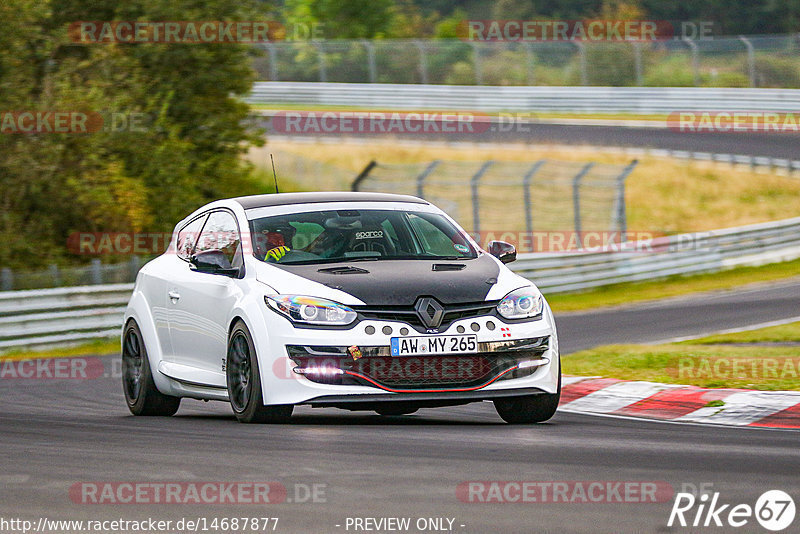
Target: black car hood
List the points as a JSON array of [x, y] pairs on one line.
[[401, 282]]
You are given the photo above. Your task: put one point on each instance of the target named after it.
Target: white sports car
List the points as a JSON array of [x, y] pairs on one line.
[[361, 301]]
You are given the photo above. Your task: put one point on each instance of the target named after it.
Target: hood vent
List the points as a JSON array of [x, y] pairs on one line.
[[448, 267], [346, 269]]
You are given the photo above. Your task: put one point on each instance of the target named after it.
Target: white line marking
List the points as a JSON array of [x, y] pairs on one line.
[[747, 328]]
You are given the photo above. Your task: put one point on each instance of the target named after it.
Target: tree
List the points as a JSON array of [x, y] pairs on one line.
[[186, 151]]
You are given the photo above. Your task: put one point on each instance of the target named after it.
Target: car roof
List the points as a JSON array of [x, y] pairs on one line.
[[283, 199]]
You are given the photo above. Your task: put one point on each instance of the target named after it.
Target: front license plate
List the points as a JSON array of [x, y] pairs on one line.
[[414, 346]]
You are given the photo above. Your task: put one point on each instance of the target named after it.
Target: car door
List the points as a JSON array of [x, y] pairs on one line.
[[185, 243], [200, 304]]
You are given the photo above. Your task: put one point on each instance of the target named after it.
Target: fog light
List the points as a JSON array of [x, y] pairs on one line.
[[533, 363], [319, 371]]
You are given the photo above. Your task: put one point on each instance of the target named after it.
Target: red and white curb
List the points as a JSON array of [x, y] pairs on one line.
[[651, 400]]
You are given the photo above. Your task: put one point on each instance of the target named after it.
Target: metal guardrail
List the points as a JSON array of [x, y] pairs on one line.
[[644, 100], [70, 314], [61, 315], [711, 251]]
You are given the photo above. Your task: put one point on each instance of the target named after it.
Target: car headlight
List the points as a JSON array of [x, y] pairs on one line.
[[521, 303], [311, 310]]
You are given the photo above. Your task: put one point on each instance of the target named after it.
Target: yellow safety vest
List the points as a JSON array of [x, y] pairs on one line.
[[275, 254]]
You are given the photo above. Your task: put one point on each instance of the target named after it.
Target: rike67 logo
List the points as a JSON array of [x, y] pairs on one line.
[[774, 510]]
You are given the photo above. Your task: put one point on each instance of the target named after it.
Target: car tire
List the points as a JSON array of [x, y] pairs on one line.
[[244, 381], [141, 394], [530, 408], [400, 409]]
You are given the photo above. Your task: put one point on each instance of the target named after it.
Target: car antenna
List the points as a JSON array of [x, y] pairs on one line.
[[274, 176]]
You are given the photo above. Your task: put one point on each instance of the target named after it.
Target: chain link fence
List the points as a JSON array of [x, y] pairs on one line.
[[513, 197], [740, 61], [485, 197], [95, 273]]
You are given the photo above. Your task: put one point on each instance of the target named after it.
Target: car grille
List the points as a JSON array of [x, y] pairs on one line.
[[376, 368], [408, 315]]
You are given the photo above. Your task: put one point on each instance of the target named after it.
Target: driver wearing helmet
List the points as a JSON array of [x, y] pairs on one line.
[[279, 237]]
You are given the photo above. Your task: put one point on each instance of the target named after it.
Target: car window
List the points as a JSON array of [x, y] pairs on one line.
[[306, 233], [347, 235], [221, 233], [432, 238], [187, 237]]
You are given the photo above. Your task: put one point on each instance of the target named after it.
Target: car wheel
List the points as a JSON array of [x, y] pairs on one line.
[[530, 408], [399, 409], [140, 390], [244, 381]]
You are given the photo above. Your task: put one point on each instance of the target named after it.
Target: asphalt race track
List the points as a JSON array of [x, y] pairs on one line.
[[776, 145], [690, 316], [57, 433]]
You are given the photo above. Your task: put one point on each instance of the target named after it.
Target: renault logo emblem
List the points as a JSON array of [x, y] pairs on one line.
[[429, 312]]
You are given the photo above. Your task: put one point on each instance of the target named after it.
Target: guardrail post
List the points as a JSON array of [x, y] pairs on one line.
[[576, 200], [582, 57], [371, 65], [695, 60], [526, 187], [323, 71], [477, 64], [751, 60], [273, 62], [620, 212], [531, 72], [423, 63], [7, 279], [96, 272], [55, 275], [133, 266], [424, 174], [637, 62], [474, 182], [362, 175]]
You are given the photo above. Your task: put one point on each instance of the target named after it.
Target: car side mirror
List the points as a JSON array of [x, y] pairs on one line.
[[212, 262], [505, 252]]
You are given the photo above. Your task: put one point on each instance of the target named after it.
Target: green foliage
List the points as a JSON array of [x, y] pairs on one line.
[[353, 19], [186, 152], [610, 64]]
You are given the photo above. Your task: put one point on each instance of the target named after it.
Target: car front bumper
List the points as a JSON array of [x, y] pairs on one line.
[[450, 379]]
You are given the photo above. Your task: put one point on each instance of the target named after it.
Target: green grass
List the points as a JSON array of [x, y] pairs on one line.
[[628, 293], [701, 362], [98, 347]]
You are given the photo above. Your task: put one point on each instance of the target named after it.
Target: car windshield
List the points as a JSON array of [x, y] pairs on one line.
[[357, 235]]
